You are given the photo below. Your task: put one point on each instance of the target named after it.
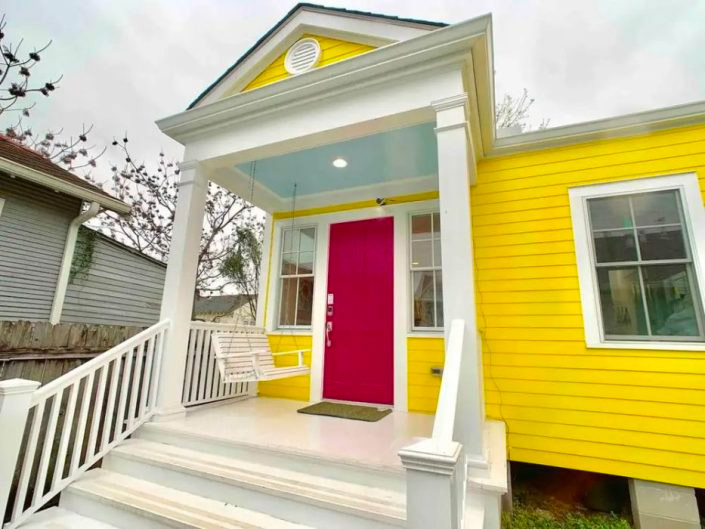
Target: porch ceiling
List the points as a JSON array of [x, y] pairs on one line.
[[394, 161]]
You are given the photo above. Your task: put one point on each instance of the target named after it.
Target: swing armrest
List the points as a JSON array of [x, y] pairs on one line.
[[299, 352], [237, 355]]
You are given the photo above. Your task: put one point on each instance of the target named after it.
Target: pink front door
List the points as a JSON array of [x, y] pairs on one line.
[[359, 352]]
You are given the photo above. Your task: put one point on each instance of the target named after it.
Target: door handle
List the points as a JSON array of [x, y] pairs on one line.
[[329, 328]]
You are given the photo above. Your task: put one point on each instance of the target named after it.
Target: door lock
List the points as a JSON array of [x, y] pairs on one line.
[[329, 328]]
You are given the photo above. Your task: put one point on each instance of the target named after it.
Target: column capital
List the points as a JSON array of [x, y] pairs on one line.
[[190, 165], [192, 173], [447, 103]]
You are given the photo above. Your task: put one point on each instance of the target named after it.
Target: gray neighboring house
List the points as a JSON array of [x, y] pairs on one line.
[[225, 309], [42, 207]]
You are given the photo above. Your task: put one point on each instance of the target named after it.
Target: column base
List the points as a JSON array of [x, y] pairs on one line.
[[663, 506], [169, 414]]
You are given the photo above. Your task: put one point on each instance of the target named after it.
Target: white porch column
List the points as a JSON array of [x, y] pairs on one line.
[[180, 284], [456, 173]]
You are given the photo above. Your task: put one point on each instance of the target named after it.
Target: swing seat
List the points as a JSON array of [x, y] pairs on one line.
[[246, 357]]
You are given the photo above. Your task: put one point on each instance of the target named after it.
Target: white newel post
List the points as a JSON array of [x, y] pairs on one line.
[[456, 173], [180, 284], [15, 399]]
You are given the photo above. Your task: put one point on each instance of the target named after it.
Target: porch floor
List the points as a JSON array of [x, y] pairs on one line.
[[275, 423]]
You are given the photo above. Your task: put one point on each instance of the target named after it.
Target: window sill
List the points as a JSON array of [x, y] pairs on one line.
[[654, 346], [426, 334]]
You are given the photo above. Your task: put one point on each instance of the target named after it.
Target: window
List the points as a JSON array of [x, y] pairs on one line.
[[426, 280], [296, 276], [637, 260]]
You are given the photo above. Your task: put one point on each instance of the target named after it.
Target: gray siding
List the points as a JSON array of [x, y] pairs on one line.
[[33, 226], [121, 287]]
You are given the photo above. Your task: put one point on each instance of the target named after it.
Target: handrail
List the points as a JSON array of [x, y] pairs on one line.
[[122, 381], [229, 327], [103, 358], [444, 421]]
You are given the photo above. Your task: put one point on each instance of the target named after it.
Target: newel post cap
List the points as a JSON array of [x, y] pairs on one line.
[[17, 386]]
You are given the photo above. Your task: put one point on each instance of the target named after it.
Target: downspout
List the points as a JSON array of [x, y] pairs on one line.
[[63, 282]]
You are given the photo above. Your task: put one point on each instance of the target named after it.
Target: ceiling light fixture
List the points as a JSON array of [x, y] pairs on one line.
[[340, 163]]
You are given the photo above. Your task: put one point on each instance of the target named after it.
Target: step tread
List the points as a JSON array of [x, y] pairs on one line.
[[180, 508], [59, 518], [275, 480]]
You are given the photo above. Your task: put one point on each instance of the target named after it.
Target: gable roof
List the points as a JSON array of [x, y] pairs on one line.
[[220, 304], [21, 161], [314, 7]]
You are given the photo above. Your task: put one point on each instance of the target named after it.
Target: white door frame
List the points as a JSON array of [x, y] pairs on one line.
[[400, 213]]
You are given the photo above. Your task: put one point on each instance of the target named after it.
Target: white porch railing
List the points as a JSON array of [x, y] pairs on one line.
[[202, 382], [436, 468], [76, 419]]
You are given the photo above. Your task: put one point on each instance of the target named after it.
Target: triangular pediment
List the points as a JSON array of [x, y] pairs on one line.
[[339, 35]]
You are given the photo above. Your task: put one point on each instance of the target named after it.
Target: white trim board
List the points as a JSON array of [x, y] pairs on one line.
[[694, 213], [402, 321]]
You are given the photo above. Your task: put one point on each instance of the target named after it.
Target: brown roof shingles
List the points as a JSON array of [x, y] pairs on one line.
[[17, 153]]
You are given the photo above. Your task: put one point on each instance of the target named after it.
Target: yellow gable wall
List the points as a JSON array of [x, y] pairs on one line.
[[626, 412], [332, 51]]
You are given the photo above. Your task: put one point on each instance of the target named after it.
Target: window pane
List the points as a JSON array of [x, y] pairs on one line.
[[439, 299], [620, 299], [287, 303], [306, 263], [303, 312], [670, 300], [661, 243], [287, 242], [658, 207], [614, 246], [437, 253], [610, 212], [421, 254], [421, 226], [288, 264], [423, 299], [308, 235], [437, 224]]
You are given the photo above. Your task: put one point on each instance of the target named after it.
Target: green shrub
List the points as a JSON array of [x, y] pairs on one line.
[[531, 518]]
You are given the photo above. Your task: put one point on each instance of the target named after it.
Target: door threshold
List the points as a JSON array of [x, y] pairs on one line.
[[355, 403]]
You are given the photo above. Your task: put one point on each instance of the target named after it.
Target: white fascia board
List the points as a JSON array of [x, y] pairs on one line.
[[37, 177], [419, 53], [344, 26], [616, 127]]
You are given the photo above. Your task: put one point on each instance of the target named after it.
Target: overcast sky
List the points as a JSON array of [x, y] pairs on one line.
[[127, 63]]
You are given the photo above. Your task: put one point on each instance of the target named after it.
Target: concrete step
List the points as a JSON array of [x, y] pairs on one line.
[[288, 494], [59, 518], [283, 457], [130, 503]]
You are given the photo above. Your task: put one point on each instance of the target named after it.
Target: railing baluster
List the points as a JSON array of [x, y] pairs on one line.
[[81, 425], [140, 351], [196, 366], [28, 461], [60, 464], [211, 365], [120, 417], [47, 448], [190, 359], [201, 395], [147, 379], [158, 359], [97, 411], [108, 422]]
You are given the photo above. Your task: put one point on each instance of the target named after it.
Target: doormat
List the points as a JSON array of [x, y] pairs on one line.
[[346, 411]]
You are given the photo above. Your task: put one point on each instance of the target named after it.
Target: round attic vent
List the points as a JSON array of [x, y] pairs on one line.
[[302, 56]]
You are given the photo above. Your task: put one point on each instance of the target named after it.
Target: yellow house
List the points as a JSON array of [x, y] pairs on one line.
[[537, 297]]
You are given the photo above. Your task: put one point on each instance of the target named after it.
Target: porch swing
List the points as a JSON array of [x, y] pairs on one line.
[[247, 357]]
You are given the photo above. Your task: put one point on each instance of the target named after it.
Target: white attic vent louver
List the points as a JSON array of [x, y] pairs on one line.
[[302, 56]]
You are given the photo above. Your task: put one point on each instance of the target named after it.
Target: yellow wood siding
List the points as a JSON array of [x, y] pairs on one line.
[[296, 388], [332, 51], [422, 354], [627, 412]]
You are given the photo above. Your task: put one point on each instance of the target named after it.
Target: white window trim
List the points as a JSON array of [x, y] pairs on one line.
[[694, 213], [2, 203], [434, 332], [278, 276]]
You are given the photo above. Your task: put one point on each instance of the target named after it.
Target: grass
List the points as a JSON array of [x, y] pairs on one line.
[[524, 517]]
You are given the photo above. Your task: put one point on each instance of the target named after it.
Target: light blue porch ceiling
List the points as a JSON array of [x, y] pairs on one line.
[[401, 154]]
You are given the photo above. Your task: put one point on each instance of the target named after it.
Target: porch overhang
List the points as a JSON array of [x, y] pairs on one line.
[[390, 88]]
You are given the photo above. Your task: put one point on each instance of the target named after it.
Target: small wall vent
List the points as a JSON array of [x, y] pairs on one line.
[[302, 56]]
